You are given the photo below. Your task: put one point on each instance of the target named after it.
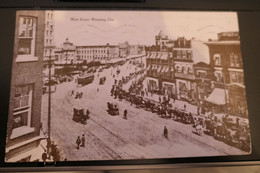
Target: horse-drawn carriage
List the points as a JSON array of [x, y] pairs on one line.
[[102, 80], [79, 116], [112, 108]]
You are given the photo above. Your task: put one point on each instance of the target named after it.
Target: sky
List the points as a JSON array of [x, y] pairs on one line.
[[138, 27]]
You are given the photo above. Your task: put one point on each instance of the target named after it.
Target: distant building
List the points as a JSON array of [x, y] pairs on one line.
[[24, 118], [101, 53], [48, 38], [66, 54], [228, 78], [124, 49]]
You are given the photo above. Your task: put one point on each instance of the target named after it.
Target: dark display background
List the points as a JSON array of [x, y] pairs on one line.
[[249, 25]]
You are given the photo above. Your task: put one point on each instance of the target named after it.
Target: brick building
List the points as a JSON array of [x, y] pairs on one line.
[[228, 79], [24, 118]]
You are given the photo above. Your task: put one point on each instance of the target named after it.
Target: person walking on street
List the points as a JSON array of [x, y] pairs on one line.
[[83, 141], [72, 92], [184, 107], [78, 141], [125, 114], [165, 132]]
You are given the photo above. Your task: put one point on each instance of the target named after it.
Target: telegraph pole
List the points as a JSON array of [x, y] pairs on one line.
[[49, 106]]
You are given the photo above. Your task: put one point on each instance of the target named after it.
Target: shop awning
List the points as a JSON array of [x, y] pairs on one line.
[[164, 56], [158, 55], [218, 97], [153, 55], [154, 67], [166, 69], [163, 69], [159, 69]]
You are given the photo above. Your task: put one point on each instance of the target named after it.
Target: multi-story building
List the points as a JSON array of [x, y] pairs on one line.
[[48, 39], [170, 67], [66, 54], [160, 72], [184, 73], [228, 78], [24, 119], [101, 53], [203, 80], [160, 67]]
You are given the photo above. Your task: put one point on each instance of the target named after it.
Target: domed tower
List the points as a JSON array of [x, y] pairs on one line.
[[161, 39]]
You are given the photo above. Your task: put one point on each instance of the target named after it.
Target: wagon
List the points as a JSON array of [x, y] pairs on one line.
[[112, 108], [79, 116]]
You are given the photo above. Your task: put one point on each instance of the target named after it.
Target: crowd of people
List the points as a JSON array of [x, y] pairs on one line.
[[204, 122]]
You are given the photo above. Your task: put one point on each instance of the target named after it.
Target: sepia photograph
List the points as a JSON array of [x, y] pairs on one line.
[[126, 85]]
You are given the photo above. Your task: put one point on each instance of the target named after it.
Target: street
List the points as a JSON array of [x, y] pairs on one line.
[[115, 138]]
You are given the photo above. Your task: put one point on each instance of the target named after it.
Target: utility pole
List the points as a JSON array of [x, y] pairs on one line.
[[49, 106]]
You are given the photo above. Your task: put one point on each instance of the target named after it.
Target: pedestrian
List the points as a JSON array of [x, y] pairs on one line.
[[83, 141], [125, 114], [78, 141], [160, 99], [72, 92], [97, 89], [165, 132], [198, 110], [44, 156], [184, 106]]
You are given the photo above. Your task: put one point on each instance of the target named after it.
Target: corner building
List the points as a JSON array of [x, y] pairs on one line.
[[24, 118]]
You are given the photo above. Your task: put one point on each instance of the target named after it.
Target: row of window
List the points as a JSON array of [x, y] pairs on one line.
[[93, 51], [234, 59]]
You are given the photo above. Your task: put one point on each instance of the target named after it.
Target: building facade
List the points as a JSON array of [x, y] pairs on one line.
[[66, 54], [49, 39], [101, 53], [203, 78], [24, 119], [226, 63], [184, 73]]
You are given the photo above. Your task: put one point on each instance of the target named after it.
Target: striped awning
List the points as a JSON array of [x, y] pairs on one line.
[[166, 69], [164, 56], [159, 69], [153, 55]]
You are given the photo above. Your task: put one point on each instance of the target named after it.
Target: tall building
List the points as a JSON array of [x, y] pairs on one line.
[[160, 66], [24, 118], [228, 78], [184, 73], [48, 39]]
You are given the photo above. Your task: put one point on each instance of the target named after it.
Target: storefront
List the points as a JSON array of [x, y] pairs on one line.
[[169, 89], [152, 84]]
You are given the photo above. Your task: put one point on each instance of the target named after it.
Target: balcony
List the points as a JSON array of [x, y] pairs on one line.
[[185, 76]]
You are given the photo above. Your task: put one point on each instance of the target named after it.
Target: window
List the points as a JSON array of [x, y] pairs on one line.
[[218, 75], [178, 54], [237, 77], [26, 36], [234, 60], [184, 55], [189, 55], [217, 59], [22, 106]]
